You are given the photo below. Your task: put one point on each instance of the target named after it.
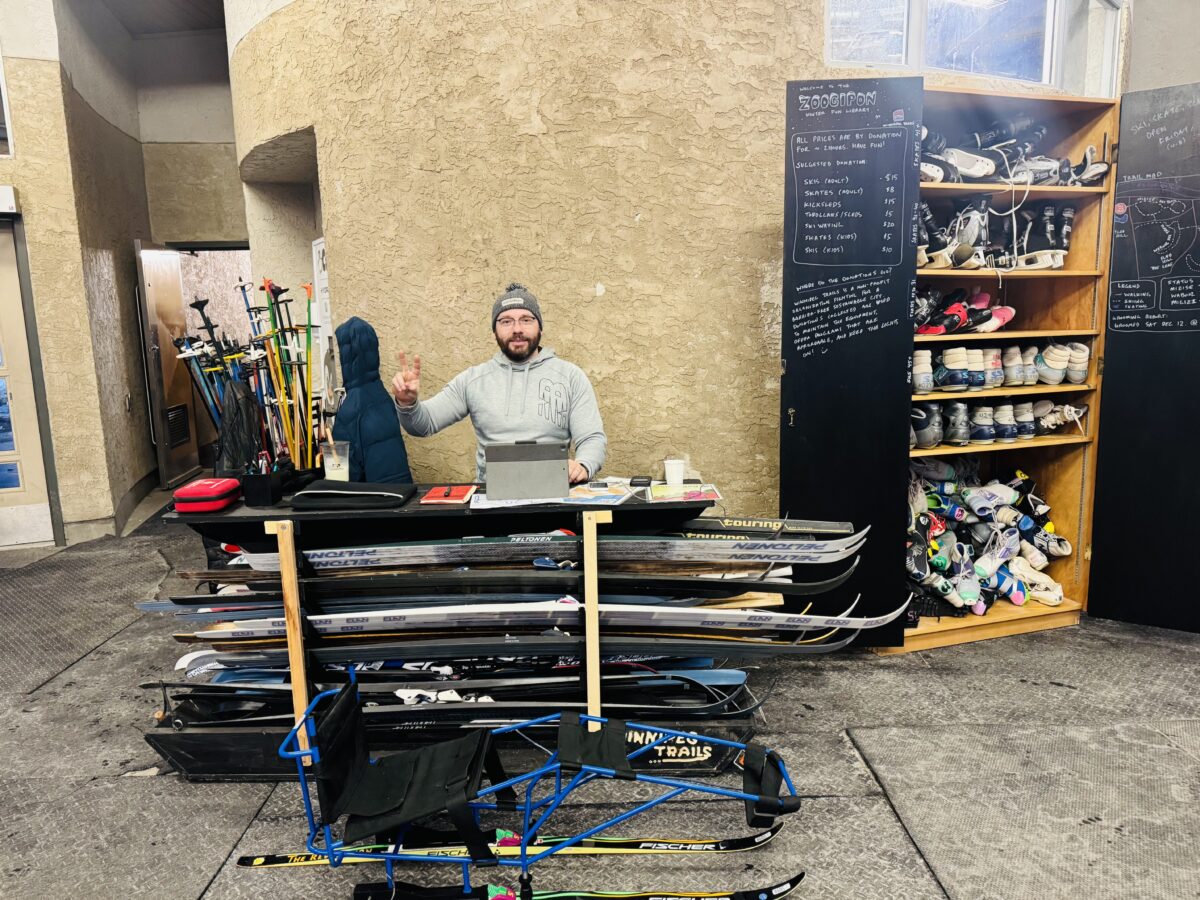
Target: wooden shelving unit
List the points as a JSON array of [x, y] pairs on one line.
[[1069, 304], [1022, 274], [1050, 440], [1004, 191], [1005, 335], [1001, 620], [1031, 390]]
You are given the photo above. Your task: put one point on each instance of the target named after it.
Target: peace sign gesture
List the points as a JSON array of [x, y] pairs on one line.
[[407, 383]]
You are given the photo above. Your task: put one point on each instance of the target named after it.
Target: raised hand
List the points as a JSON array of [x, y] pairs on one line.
[[406, 386]]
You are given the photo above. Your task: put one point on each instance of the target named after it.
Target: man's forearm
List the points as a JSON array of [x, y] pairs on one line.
[[590, 452], [415, 419]]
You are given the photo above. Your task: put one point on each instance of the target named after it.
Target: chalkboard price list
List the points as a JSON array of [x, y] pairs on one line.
[[849, 196]]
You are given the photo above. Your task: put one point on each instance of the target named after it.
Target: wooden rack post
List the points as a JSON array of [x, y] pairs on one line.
[[591, 610], [284, 531]]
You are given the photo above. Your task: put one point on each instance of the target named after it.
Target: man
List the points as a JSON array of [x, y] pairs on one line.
[[523, 393]]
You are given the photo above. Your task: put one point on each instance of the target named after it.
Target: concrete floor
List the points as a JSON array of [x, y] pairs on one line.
[[1065, 764]]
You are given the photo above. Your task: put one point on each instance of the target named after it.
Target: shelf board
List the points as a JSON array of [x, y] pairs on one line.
[[1011, 391], [1001, 620], [1050, 440], [971, 98], [931, 190], [999, 274], [1007, 335]]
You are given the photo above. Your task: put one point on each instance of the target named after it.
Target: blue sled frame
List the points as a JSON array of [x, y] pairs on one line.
[[535, 812]]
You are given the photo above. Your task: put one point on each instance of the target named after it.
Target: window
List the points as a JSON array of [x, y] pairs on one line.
[[1004, 38], [5, 140], [1071, 44], [868, 31]]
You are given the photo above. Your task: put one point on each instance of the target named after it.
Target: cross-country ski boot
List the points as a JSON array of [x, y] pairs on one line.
[[934, 167], [972, 165], [998, 132], [938, 253], [1066, 224], [1090, 170], [969, 235]]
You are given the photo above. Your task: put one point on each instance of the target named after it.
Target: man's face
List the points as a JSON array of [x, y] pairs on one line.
[[518, 334]]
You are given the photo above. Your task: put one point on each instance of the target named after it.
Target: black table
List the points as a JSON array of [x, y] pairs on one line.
[[243, 525]]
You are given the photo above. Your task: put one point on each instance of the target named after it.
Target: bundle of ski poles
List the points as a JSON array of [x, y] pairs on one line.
[[274, 365]]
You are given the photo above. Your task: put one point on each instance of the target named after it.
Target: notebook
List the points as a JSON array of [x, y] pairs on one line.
[[451, 494]]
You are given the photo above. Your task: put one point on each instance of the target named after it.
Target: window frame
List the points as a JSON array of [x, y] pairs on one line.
[[4, 110], [916, 24]]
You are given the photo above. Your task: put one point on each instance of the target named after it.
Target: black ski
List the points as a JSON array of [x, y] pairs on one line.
[[383, 891], [507, 845], [528, 581]]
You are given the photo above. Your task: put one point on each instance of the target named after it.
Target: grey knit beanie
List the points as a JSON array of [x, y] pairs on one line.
[[516, 296]]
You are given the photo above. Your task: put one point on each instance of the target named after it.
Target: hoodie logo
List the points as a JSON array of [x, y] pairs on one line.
[[552, 402]]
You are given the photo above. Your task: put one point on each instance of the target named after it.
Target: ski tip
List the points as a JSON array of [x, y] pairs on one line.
[[771, 893]]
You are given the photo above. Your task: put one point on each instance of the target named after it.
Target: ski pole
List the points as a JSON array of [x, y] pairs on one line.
[[274, 357], [308, 290], [188, 355]]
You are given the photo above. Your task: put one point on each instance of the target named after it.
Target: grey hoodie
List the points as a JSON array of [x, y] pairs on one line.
[[546, 399]]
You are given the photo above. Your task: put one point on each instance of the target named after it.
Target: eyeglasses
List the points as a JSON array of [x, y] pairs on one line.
[[524, 322]]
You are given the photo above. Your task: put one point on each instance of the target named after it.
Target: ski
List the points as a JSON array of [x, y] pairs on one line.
[[508, 844], [762, 526], [383, 891], [562, 612], [525, 547], [325, 589], [513, 647]]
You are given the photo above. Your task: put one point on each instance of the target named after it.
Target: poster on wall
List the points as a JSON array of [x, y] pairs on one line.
[[325, 373], [849, 276]]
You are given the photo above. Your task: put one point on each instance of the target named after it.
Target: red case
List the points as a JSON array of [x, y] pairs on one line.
[[207, 495]]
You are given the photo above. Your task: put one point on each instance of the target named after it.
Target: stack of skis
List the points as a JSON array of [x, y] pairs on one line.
[[261, 391], [477, 632]]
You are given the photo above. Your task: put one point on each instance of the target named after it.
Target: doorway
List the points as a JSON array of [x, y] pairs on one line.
[[24, 498]]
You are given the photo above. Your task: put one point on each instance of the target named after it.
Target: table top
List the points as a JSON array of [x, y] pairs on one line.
[[630, 510]]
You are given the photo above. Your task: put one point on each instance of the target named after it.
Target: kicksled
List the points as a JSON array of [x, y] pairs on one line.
[[374, 810]]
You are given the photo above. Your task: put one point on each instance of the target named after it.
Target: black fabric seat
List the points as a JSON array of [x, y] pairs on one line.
[[761, 775], [401, 788]]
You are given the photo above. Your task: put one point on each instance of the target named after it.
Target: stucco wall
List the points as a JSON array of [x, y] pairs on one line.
[[97, 54], [1162, 48], [41, 173], [624, 160], [213, 274], [285, 227], [110, 202], [185, 114], [194, 192]]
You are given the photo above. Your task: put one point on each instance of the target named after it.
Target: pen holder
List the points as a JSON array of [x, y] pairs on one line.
[[262, 490]]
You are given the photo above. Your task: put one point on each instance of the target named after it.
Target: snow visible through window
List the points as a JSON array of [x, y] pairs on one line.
[[868, 31], [1005, 38]]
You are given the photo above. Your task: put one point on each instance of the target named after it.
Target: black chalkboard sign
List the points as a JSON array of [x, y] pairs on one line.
[[1147, 490], [848, 280]]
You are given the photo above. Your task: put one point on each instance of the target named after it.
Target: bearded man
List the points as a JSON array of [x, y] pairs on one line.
[[523, 393]]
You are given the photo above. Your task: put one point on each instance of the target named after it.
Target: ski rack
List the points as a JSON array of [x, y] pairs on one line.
[[295, 571], [296, 613]]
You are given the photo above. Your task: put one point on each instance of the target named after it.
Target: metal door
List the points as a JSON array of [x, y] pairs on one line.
[[172, 416]]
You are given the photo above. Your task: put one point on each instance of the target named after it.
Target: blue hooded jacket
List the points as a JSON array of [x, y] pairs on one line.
[[367, 416]]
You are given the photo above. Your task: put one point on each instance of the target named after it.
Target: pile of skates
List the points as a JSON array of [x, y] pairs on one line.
[[1024, 235]]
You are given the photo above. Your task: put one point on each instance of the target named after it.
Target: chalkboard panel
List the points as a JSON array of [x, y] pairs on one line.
[[851, 193], [1147, 485]]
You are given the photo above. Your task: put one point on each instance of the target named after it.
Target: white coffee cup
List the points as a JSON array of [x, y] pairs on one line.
[[673, 469]]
